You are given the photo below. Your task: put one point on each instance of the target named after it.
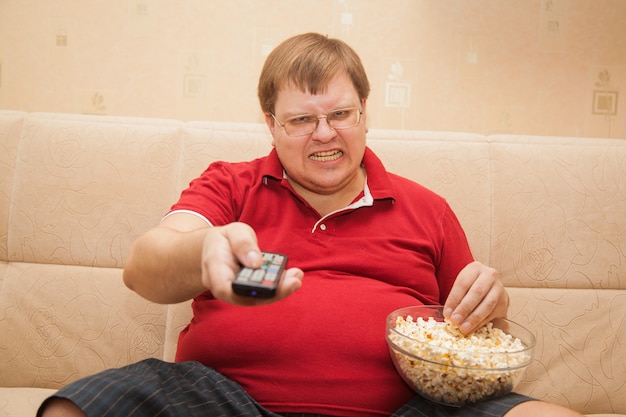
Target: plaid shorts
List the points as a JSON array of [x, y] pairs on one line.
[[153, 388]]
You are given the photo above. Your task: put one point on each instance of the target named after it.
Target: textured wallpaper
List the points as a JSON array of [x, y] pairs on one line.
[[538, 67]]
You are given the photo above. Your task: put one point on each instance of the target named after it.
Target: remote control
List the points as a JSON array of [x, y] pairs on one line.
[[261, 282]]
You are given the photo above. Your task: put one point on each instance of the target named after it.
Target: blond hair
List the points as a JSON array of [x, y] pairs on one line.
[[309, 62]]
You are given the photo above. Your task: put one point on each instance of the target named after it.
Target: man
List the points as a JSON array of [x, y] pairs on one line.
[[362, 242]]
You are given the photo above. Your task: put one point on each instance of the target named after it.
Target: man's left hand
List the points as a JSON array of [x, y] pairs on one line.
[[477, 297]]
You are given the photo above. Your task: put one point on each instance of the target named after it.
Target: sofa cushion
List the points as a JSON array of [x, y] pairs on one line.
[[10, 130], [60, 323], [559, 241], [578, 359], [86, 187], [19, 402]]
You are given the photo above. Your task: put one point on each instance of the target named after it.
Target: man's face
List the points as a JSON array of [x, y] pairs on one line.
[[326, 161]]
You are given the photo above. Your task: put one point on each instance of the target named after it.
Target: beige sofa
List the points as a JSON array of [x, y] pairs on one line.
[[75, 191]]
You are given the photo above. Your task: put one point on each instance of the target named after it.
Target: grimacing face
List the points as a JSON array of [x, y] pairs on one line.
[[328, 161]]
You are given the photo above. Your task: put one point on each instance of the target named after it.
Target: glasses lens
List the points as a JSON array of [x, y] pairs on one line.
[[344, 118], [301, 125]]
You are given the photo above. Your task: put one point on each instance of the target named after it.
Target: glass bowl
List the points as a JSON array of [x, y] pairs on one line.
[[446, 367]]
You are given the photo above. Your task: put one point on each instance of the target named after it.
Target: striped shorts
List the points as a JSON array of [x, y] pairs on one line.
[[152, 388]]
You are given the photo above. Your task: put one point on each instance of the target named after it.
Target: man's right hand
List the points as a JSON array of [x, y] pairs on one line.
[[225, 247]]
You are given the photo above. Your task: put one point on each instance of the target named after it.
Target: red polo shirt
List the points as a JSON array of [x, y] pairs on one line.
[[322, 350]]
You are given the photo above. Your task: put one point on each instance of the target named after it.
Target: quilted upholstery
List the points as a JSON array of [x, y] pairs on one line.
[[76, 190]]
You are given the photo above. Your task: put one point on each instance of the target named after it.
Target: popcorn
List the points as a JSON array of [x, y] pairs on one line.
[[445, 366]]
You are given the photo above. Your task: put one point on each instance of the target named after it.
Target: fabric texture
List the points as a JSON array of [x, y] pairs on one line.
[[153, 388]]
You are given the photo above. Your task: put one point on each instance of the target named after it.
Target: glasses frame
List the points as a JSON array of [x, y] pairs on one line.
[[317, 121]]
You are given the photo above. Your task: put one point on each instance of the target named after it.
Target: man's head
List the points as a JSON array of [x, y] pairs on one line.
[[309, 62], [313, 91]]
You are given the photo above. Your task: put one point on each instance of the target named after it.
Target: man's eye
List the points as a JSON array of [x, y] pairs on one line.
[[340, 114], [301, 120]]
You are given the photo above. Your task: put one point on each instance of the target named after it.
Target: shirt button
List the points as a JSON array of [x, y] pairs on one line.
[[323, 226]]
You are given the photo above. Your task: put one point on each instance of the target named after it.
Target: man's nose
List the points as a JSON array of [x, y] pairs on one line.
[[324, 130]]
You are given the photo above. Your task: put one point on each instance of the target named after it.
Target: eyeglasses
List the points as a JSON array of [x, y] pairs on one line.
[[305, 124]]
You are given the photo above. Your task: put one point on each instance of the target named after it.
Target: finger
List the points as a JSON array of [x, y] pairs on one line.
[[291, 282], [219, 261], [459, 290], [469, 312], [243, 244], [476, 298], [483, 313]]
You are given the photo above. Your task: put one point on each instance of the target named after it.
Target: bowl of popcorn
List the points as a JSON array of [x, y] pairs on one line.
[[441, 364]]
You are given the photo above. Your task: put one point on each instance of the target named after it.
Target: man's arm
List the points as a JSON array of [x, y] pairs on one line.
[[183, 257], [164, 264]]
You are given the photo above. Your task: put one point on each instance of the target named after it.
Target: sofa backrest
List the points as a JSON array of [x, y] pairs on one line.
[[76, 190], [79, 191]]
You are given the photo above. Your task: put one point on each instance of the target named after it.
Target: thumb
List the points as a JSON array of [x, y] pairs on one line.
[[290, 283]]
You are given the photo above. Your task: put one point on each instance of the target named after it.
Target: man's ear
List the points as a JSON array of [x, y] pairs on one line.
[[271, 125], [364, 115]]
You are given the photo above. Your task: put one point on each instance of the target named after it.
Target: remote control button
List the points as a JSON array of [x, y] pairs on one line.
[[257, 276], [245, 273]]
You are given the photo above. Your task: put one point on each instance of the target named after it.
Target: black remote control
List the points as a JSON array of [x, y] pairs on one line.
[[261, 282]]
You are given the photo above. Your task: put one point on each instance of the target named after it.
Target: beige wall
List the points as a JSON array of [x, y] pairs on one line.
[[542, 67]]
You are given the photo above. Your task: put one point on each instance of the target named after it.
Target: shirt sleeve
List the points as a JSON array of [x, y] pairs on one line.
[[455, 253], [214, 195]]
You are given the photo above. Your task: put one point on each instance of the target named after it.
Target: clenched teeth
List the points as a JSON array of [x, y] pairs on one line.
[[326, 156]]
